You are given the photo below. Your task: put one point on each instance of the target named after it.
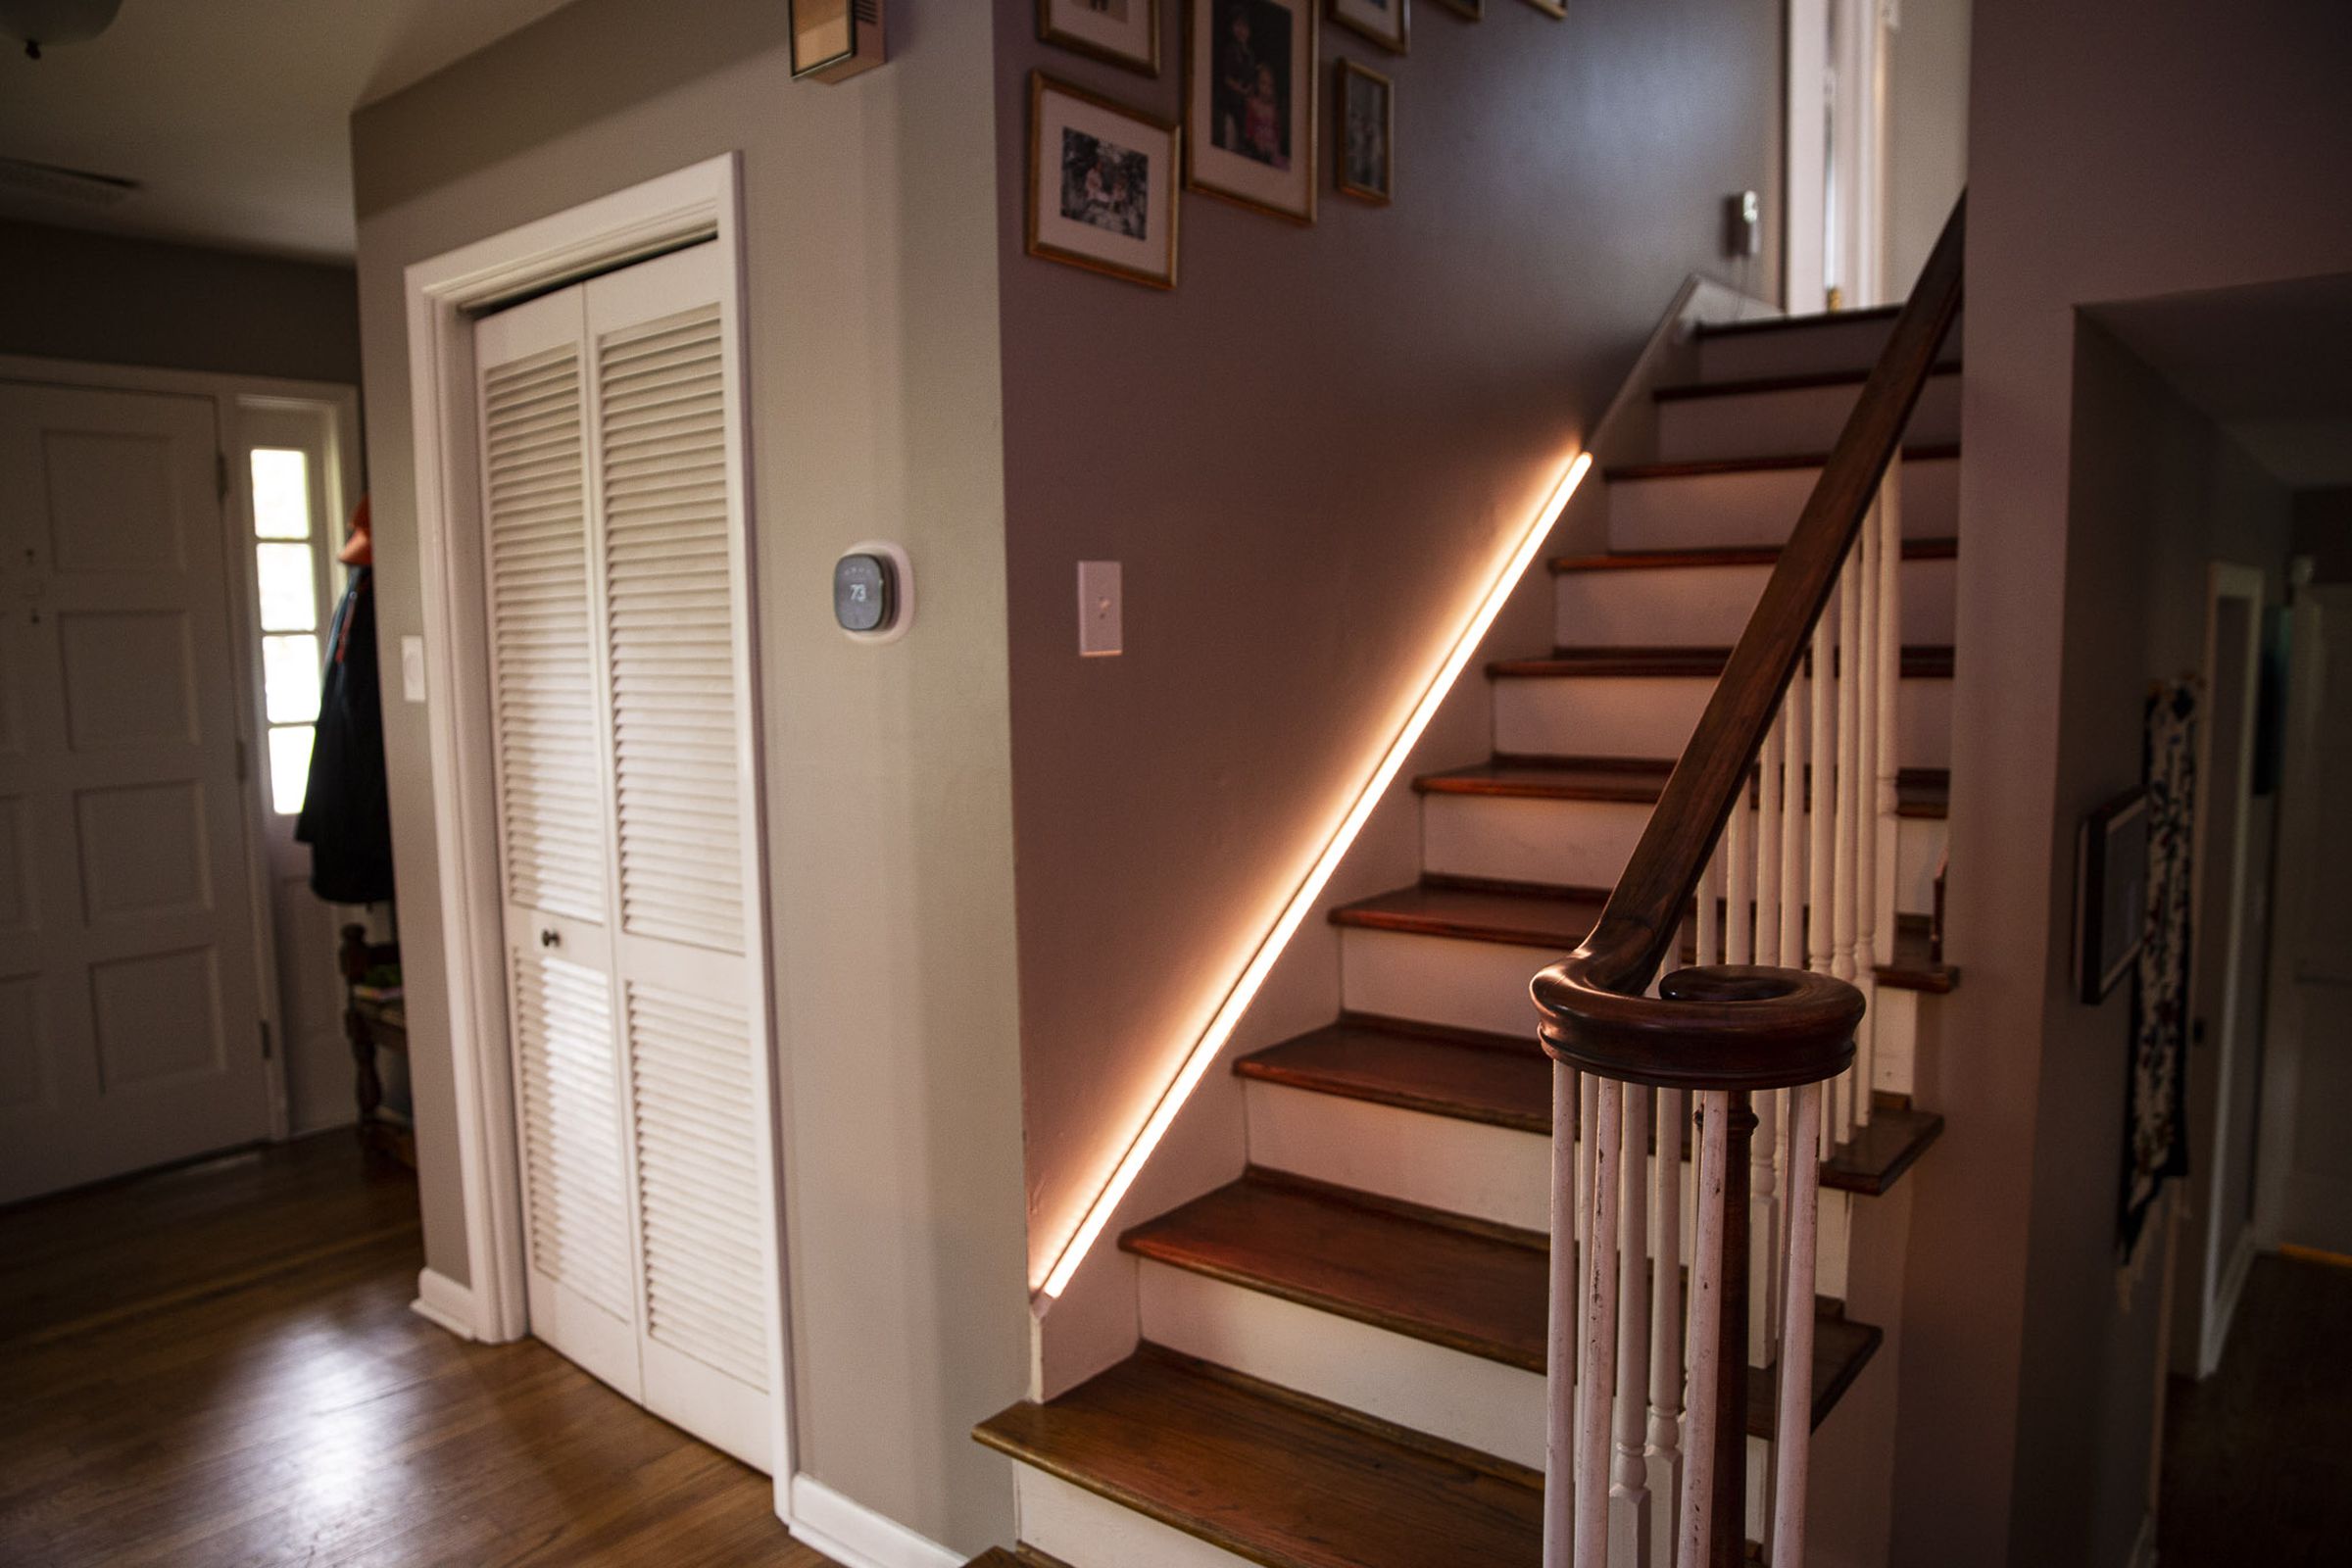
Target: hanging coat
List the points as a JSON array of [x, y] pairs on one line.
[[346, 817]]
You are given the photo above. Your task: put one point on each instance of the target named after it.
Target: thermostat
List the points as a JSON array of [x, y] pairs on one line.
[[873, 592]]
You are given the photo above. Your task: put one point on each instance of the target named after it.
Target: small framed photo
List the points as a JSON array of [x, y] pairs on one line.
[[2111, 893], [1557, 10], [1387, 22], [1472, 9], [1125, 32], [833, 40], [1102, 183], [1249, 103], [1367, 118]]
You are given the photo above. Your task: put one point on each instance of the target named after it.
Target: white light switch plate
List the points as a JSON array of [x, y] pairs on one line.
[[412, 668], [1098, 608]]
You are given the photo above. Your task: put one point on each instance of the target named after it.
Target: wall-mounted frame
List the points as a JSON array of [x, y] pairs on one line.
[[2111, 894], [1250, 104], [833, 40], [1387, 22], [1103, 183], [1468, 10], [1557, 10], [1364, 160], [1125, 32]]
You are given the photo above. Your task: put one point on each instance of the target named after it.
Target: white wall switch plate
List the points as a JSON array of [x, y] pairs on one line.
[[412, 668], [1098, 608]]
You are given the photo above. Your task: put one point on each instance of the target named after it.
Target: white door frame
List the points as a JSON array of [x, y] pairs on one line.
[[1861, 119], [230, 396], [2218, 1279], [443, 296]]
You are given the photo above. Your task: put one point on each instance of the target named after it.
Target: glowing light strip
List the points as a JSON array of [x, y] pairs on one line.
[[1261, 962]]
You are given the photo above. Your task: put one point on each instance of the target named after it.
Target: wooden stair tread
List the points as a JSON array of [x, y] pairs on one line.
[[1795, 381], [1504, 1081], [1919, 792], [1465, 1285], [1538, 915], [1798, 323], [1500, 1080], [1920, 662], [1693, 467], [1276, 1479], [1943, 549]]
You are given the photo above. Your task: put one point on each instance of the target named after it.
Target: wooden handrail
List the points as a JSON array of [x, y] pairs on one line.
[[1592, 999]]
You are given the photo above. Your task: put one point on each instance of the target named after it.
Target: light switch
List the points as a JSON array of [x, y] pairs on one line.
[[412, 668], [1098, 607]]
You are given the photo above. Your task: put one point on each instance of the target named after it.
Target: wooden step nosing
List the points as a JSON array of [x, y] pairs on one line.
[[1702, 467], [1808, 320], [1794, 382], [1919, 662], [1943, 547]]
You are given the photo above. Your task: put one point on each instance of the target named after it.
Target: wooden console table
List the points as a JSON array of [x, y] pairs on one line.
[[372, 1025]]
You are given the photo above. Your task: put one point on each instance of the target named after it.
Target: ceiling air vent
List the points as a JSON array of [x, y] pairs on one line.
[[77, 185]]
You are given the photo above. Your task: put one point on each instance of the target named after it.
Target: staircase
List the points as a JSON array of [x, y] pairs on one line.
[[1344, 1350]]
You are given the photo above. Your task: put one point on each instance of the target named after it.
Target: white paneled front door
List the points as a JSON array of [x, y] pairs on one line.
[[130, 1015], [616, 607]]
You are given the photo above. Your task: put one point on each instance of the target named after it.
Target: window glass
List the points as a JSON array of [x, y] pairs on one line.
[[289, 593], [290, 678], [281, 492], [290, 768]]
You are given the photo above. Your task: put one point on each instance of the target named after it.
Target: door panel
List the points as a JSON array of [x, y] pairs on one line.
[[128, 968]]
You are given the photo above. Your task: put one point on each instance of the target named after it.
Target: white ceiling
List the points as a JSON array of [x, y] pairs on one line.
[[2266, 361], [234, 114]]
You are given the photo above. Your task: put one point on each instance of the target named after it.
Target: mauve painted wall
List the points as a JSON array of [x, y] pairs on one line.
[[1304, 456], [2116, 151]]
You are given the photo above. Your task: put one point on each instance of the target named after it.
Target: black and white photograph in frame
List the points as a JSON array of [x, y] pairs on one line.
[[1387, 22], [1125, 32], [1367, 114], [1102, 183], [1249, 103]]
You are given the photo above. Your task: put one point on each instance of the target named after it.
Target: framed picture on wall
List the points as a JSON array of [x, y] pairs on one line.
[[1556, 9], [1470, 9], [1249, 103], [833, 40], [2111, 893], [1367, 116], [1125, 32], [1102, 183], [1387, 22]]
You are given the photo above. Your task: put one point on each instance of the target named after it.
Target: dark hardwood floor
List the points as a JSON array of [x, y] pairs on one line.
[[217, 1365], [2258, 1457]]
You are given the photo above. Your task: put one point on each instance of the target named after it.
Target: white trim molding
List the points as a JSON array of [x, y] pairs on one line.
[[856, 1536], [443, 1302]]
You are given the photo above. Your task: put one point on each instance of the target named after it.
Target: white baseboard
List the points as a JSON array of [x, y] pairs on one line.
[[444, 1302], [856, 1536]]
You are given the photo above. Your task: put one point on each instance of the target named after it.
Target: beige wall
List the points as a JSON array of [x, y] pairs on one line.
[[1927, 131], [2116, 151], [1305, 456], [873, 380], [73, 295]]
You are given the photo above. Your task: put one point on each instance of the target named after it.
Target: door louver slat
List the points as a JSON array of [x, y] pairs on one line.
[[572, 1128]]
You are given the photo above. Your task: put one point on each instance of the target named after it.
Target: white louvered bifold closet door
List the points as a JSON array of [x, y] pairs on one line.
[[650, 666]]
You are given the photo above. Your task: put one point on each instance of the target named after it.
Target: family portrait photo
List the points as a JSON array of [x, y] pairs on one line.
[[1367, 127], [1103, 183], [1125, 32], [1249, 104]]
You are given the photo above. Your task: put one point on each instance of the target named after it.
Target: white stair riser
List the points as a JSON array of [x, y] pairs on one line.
[[1653, 716], [1790, 421], [1425, 1388], [1895, 1036], [1417, 1157], [1448, 980], [1585, 844], [1709, 607], [1075, 1526], [1759, 507], [1851, 344]]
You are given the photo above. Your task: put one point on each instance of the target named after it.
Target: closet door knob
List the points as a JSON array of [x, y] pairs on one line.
[[550, 938]]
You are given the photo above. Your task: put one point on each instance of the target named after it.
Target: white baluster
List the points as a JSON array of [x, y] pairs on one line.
[[1696, 1535], [1559, 1337], [1837, 1125], [1890, 660], [1768, 840], [1792, 829], [1865, 830], [1598, 1351], [1739, 883], [1820, 798], [1629, 1486], [1662, 1455], [1792, 1437]]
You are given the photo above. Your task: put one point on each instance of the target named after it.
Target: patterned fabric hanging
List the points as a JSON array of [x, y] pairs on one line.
[[2155, 1102]]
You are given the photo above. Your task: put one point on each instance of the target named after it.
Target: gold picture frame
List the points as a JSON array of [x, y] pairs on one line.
[[833, 40], [1557, 10], [1082, 28], [1349, 175], [1467, 9], [1088, 155], [1387, 22], [1255, 144]]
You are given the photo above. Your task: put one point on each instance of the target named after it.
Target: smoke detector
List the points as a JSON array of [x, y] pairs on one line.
[[46, 22]]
